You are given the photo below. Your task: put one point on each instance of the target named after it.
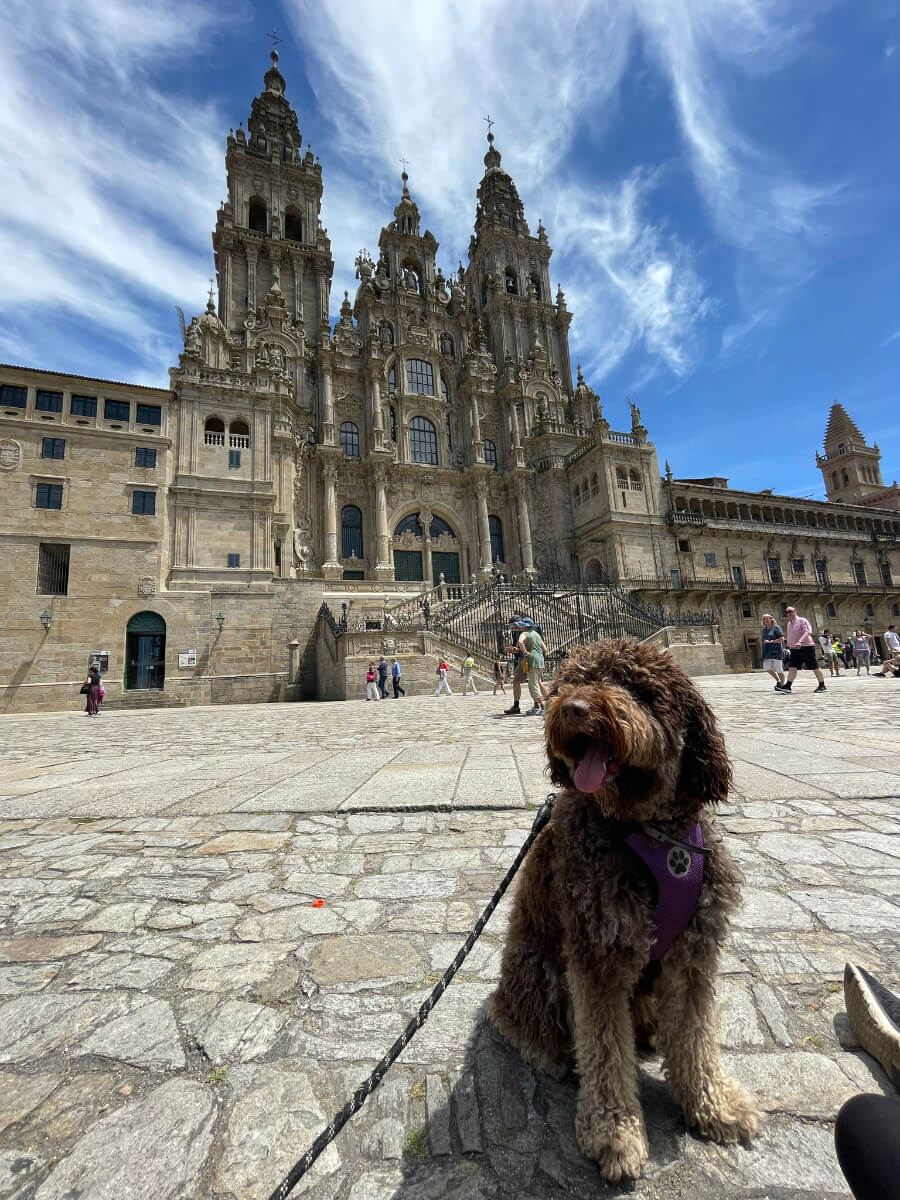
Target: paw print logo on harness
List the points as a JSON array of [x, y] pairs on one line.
[[678, 862]]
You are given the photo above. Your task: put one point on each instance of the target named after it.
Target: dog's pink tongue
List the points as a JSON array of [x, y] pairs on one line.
[[591, 771]]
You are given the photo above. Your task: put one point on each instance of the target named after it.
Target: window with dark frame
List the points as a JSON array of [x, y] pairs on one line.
[[149, 414], [859, 570], [709, 559], [775, 570], [831, 610], [116, 410], [234, 458], [351, 532], [53, 569], [143, 504], [886, 577], [798, 566], [12, 396], [490, 453], [420, 377], [83, 406], [234, 560], [746, 610], [144, 456], [350, 439], [870, 610], [53, 448], [495, 526], [684, 545], [48, 401], [782, 609], [423, 441], [48, 495]]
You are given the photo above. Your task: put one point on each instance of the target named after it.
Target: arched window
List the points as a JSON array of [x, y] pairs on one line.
[[490, 453], [438, 526], [595, 484], [293, 225], [410, 524], [621, 478], [495, 525], [350, 439], [834, 479], [239, 435], [635, 481], [392, 380], [351, 532], [845, 477], [512, 284], [536, 284], [420, 377], [483, 292], [423, 441], [214, 431], [257, 216], [410, 279], [392, 416]]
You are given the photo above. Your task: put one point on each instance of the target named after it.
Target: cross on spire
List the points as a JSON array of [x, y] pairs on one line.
[[490, 124], [274, 38], [404, 162]]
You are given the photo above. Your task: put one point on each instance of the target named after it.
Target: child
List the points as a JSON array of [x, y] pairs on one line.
[[498, 676], [443, 681]]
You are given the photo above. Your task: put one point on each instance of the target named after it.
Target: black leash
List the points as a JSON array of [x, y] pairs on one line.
[[362, 1093]]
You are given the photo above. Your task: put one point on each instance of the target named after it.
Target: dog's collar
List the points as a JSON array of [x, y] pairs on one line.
[[658, 836]]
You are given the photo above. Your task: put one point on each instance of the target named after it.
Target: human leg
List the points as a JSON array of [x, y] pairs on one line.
[[867, 1142]]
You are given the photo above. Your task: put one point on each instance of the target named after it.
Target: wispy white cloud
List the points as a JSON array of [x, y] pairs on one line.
[[422, 88], [110, 186]]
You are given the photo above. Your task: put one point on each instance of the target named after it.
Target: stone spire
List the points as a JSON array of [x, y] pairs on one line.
[[850, 467], [273, 123], [841, 428]]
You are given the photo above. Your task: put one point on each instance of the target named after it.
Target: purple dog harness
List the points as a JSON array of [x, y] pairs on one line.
[[678, 871]]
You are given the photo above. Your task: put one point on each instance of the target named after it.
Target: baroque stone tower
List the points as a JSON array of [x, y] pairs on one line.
[[849, 467]]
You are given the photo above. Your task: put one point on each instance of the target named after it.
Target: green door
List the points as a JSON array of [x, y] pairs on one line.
[[408, 564], [448, 564]]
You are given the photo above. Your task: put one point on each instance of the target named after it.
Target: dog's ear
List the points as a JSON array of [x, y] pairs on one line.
[[705, 773]]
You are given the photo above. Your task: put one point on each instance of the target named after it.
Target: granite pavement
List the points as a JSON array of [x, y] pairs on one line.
[[214, 921]]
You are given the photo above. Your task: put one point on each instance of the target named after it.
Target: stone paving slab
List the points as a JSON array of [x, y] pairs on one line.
[[204, 946]]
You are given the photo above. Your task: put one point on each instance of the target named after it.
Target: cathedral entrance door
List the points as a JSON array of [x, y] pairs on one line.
[[408, 564], [448, 564], [145, 651]]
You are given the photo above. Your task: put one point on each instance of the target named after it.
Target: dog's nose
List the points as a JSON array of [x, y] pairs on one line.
[[575, 711]]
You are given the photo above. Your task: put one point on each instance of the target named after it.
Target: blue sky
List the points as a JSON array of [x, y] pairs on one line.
[[719, 180]]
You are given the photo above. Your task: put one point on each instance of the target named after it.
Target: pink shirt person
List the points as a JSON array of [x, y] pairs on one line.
[[799, 633]]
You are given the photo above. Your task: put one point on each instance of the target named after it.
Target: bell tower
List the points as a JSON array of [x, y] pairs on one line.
[[508, 278], [849, 467]]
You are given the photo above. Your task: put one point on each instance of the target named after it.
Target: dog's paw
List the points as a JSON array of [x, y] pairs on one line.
[[620, 1149], [729, 1114]]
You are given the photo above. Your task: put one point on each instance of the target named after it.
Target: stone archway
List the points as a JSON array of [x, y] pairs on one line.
[[145, 651]]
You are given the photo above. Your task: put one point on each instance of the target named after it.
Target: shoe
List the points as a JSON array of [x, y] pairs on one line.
[[782, 687], [821, 688], [512, 711], [533, 712], [874, 1016]]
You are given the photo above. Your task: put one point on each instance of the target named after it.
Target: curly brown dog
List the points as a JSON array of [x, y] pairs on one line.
[[587, 962]]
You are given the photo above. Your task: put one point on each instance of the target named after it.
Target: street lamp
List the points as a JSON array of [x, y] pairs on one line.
[[46, 620], [220, 620]]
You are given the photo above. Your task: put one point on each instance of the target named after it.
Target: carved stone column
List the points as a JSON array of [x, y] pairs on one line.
[[477, 443], [331, 567], [525, 547], [484, 528], [323, 297], [327, 405], [384, 568], [252, 255], [425, 522], [297, 262], [375, 417]]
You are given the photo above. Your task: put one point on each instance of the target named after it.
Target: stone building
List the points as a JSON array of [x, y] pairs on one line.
[[433, 433]]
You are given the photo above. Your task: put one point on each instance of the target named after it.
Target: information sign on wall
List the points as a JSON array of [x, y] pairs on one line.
[[99, 658], [187, 658]]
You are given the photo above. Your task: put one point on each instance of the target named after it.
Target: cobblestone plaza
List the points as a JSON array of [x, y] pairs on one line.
[[179, 1018]]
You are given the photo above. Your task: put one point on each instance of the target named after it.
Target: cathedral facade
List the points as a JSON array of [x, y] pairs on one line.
[[434, 434]]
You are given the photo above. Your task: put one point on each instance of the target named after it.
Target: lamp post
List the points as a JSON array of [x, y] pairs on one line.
[[220, 620], [46, 620]]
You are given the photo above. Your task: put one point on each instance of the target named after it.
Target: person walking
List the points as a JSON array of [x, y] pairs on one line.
[[826, 641], [372, 683], [802, 646], [396, 674], [92, 683], [861, 650], [772, 648], [382, 676], [466, 672], [529, 651], [443, 680], [498, 676], [848, 652]]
